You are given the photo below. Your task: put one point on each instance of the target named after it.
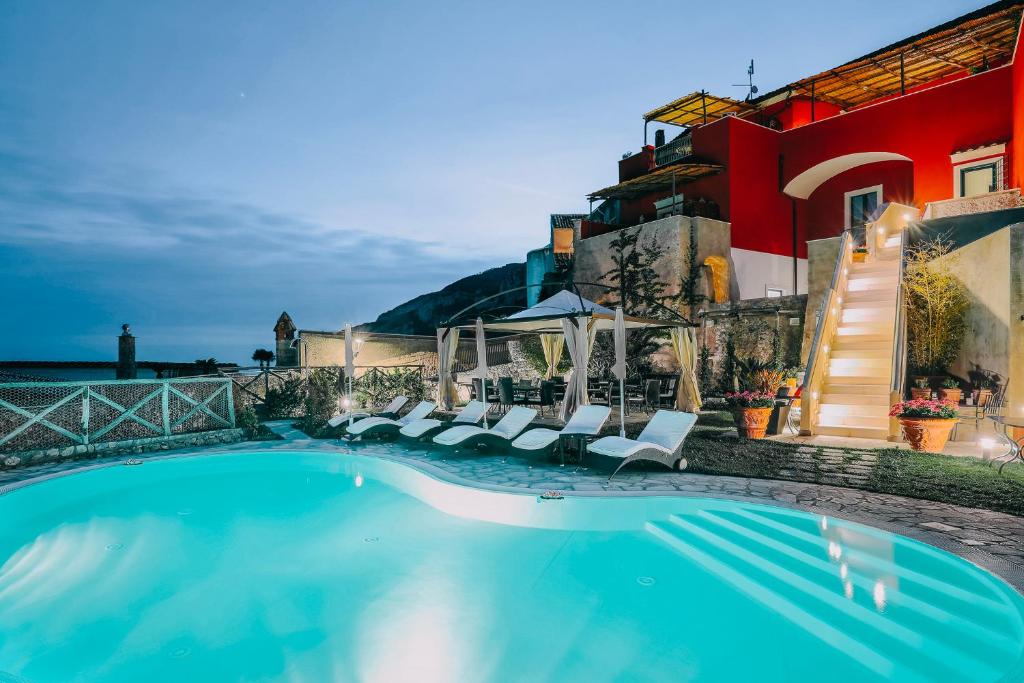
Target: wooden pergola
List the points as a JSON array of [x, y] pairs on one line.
[[662, 178]]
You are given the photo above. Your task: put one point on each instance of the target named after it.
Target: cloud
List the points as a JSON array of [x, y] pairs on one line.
[[189, 268]]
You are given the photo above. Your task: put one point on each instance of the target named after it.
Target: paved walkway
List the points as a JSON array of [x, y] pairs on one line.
[[992, 540]]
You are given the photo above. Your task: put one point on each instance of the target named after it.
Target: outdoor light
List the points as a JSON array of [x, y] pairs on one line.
[[824, 524], [834, 550], [814, 395], [844, 571], [848, 590], [986, 448], [359, 481], [879, 595], [908, 217], [825, 348]]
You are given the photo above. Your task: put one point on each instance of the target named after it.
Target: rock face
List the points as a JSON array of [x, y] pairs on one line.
[[422, 314]]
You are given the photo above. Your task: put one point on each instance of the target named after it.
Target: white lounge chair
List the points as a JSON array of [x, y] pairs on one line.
[[472, 413], [586, 421], [660, 441], [465, 436], [377, 425], [390, 410]]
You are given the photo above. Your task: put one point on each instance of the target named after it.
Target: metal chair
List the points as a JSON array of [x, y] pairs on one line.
[[667, 397], [506, 394], [545, 398]]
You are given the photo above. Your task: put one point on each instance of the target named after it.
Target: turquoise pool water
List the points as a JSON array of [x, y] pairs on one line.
[[280, 566]]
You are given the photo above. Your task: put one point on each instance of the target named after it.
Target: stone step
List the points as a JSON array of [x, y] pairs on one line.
[[875, 267], [858, 352], [883, 378], [863, 342], [861, 283], [854, 432], [871, 295], [851, 386], [862, 314], [836, 413], [880, 398]]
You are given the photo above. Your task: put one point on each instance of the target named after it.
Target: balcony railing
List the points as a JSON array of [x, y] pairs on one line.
[[674, 151], [990, 201]]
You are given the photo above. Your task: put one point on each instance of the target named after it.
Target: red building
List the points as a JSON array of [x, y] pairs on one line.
[[934, 121]]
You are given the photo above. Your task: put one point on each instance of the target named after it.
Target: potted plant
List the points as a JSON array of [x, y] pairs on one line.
[[926, 423], [860, 254], [921, 391], [751, 411], [950, 391]]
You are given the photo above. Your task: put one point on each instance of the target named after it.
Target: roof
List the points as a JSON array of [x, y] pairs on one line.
[[547, 316], [697, 107], [972, 42], [659, 179], [564, 220]]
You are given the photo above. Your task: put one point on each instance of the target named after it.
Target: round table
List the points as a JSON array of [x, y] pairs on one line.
[[1016, 445]]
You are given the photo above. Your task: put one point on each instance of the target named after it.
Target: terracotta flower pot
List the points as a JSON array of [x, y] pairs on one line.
[[919, 392], [859, 256], [751, 423], [952, 395], [928, 434]]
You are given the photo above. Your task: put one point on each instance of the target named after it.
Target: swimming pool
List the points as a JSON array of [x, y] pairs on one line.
[[315, 566]]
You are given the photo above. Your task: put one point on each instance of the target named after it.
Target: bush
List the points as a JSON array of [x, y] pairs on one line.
[[283, 401], [321, 400], [936, 306], [247, 420]]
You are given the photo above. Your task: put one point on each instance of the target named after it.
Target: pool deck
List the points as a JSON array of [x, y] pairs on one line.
[[992, 540]]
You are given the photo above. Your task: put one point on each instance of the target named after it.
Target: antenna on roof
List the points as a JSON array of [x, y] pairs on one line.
[[752, 89]]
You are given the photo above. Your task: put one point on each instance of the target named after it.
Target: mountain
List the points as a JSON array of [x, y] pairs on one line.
[[422, 314]]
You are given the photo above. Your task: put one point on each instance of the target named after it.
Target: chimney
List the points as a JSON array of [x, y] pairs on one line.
[[659, 137], [126, 354]]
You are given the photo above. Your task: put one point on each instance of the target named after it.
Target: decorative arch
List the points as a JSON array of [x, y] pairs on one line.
[[807, 182]]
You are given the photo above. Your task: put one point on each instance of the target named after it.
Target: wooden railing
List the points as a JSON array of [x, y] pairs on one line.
[[824, 336]]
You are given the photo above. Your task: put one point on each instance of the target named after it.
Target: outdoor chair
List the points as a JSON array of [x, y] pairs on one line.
[[391, 410], [380, 426], [649, 399], [667, 395], [472, 413], [506, 394], [586, 421], [508, 428], [660, 441], [545, 397]]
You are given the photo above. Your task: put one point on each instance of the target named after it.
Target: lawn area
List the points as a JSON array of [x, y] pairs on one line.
[[712, 449]]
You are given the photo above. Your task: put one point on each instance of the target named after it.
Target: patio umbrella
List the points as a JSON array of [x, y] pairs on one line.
[[481, 364], [619, 369], [684, 344], [350, 366], [447, 343]]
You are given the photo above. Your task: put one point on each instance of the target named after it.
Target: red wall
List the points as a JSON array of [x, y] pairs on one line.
[[1016, 151], [823, 214], [926, 126]]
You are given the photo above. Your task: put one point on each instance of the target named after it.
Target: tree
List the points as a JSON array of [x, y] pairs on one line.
[[640, 290], [264, 357], [936, 305], [206, 366]]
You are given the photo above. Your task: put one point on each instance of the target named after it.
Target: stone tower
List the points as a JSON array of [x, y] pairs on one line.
[[126, 354], [287, 355]]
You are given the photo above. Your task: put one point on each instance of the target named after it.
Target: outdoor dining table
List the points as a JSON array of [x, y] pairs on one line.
[[1016, 445]]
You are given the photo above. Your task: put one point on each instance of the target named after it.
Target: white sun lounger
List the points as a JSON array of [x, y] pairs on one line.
[[660, 441], [586, 421], [465, 436], [383, 425], [470, 414], [390, 410]]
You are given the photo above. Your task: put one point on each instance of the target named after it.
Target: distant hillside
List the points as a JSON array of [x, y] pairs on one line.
[[421, 315]]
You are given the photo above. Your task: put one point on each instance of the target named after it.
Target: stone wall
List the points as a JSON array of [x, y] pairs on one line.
[[672, 234], [214, 438], [753, 324]]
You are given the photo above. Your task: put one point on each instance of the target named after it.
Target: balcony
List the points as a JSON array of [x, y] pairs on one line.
[[961, 206], [673, 151]]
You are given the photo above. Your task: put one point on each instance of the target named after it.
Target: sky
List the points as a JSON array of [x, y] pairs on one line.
[[194, 167]]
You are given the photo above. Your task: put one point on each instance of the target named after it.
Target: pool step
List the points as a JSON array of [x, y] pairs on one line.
[[805, 586]]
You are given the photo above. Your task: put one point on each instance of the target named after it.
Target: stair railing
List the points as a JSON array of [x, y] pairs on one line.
[[824, 333], [899, 346]]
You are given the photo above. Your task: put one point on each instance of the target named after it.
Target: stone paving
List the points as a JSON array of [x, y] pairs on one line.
[[992, 540]]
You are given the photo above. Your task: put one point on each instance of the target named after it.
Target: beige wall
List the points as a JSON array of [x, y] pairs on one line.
[[821, 265]]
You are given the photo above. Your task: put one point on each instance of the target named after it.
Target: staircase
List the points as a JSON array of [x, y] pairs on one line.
[[856, 383]]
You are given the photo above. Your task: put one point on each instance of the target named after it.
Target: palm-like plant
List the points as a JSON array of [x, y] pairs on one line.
[[263, 356]]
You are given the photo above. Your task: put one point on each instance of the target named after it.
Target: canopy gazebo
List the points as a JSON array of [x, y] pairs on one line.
[[567, 318]]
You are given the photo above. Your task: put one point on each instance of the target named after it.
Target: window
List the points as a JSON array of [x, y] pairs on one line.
[[980, 179], [978, 171], [861, 205], [773, 292]]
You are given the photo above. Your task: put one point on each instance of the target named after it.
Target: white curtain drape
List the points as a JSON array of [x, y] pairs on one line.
[[684, 343], [447, 344], [552, 345], [579, 336], [619, 369], [481, 364]]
